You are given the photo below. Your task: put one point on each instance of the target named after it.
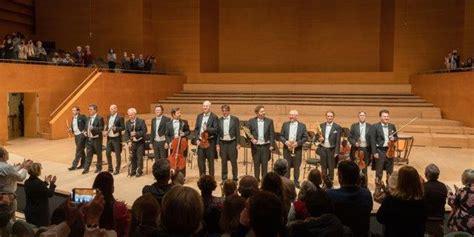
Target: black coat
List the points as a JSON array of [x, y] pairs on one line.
[[118, 123], [161, 127], [301, 134], [37, 201], [234, 128]]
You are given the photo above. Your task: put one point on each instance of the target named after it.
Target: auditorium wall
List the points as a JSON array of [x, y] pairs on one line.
[[468, 30], [16, 17]]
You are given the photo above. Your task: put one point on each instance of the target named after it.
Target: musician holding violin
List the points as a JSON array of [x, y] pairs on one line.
[[135, 130], [384, 137], [205, 135], [360, 140], [177, 131]]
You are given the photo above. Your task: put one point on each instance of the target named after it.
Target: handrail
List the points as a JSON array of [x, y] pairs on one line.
[[73, 93], [460, 69]]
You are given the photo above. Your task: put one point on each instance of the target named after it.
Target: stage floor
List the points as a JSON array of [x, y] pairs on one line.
[[56, 156]]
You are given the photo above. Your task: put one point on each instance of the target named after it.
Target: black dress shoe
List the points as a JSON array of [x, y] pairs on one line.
[[132, 174], [85, 171], [72, 168], [116, 173], [80, 167]]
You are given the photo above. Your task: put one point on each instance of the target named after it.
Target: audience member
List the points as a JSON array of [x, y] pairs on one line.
[[272, 183], [78, 55], [111, 59], [10, 175], [468, 63], [435, 194], [230, 217], [298, 210], [56, 59], [8, 48], [40, 52], [88, 56], [37, 194], [403, 212], [248, 185], [281, 168], [145, 213], [126, 61], [229, 188], [115, 214], [140, 63], [6, 213], [22, 51], [462, 205], [133, 62], [67, 60], [30, 50], [188, 219], [161, 172], [314, 177], [212, 206], [352, 203]]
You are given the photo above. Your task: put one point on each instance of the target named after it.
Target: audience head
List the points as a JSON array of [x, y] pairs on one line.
[[34, 169], [280, 167], [229, 187], [348, 173], [3, 154], [188, 219], [177, 178], [79, 48], [432, 172], [111, 51], [104, 181], [248, 185], [315, 177], [306, 187], [468, 177], [145, 210], [409, 184], [161, 171], [318, 203], [272, 183], [230, 217], [207, 184], [265, 211]]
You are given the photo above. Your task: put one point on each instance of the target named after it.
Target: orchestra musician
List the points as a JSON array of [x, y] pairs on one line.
[[360, 139], [113, 131], [328, 149], [229, 141], [293, 135], [135, 130], [383, 134], [78, 128], [94, 127], [175, 128], [206, 123], [157, 133]]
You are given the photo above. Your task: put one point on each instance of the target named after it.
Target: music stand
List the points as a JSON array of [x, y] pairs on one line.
[[244, 143]]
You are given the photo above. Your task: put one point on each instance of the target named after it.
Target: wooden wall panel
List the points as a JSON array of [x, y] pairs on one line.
[[209, 36], [387, 24], [468, 50], [452, 92], [16, 17]]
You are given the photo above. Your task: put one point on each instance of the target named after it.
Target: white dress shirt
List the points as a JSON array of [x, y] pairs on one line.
[[176, 127], [261, 131], [385, 134], [89, 128], [226, 127], [293, 130], [75, 126], [205, 118], [363, 129], [111, 125], [327, 133], [157, 125]]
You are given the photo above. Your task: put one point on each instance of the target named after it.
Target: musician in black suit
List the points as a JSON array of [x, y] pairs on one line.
[[229, 141], [135, 130], [206, 122], [174, 128], [328, 149], [293, 134], [360, 138], [157, 133], [94, 127], [78, 128], [263, 141], [113, 131], [382, 133]]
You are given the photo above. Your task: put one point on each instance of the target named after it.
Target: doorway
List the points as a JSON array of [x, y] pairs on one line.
[[23, 115]]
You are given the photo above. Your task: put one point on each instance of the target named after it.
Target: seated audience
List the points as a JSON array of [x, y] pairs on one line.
[[8, 49], [111, 59], [462, 205], [212, 206], [37, 194], [115, 214], [186, 221], [22, 51], [140, 63], [230, 217], [298, 210], [88, 57], [228, 188], [78, 55], [125, 62], [314, 177], [10, 175], [468, 63], [272, 183], [161, 172], [435, 194], [31, 50], [145, 213], [133, 62], [6, 213], [281, 168], [352, 203], [56, 59], [67, 60], [403, 212], [248, 185]]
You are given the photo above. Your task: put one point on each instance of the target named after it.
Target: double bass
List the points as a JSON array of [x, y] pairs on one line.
[[178, 147]]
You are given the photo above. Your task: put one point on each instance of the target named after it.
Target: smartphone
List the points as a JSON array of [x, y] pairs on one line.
[[83, 195]]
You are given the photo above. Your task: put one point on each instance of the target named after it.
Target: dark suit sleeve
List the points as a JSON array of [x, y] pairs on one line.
[[197, 127], [338, 139], [304, 137], [186, 130], [152, 133], [168, 132], [237, 129], [352, 136], [127, 132], [119, 126], [272, 134], [81, 122], [395, 136], [373, 139], [283, 133], [212, 128], [143, 129]]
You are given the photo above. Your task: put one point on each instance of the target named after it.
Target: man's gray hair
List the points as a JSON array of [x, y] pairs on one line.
[[432, 172], [280, 167], [306, 187], [468, 177]]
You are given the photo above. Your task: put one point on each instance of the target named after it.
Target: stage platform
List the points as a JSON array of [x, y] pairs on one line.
[[56, 156]]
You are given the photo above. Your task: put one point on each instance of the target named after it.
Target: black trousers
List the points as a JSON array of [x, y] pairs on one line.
[[80, 147], [94, 146], [228, 152], [261, 156], [293, 162], [136, 156], [208, 154], [328, 161], [383, 163], [159, 150], [114, 144]]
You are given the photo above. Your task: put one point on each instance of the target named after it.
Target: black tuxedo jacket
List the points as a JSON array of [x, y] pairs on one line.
[[119, 124], [334, 135], [378, 138], [97, 126], [81, 123], [211, 126], [161, 127], [354, 134], [301, 134], [139, 128], [183, 126], [234, 128], [268, 129]]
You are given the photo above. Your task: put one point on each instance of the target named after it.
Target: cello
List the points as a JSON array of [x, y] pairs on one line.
[[178, 147]]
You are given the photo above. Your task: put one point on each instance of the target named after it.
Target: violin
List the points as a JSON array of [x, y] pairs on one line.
[[204, 142], [178, 147], [360, 156], [392, 146]]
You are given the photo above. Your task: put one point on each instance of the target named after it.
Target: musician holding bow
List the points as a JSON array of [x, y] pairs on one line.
[[383, 134], [135, 130], [330, 141], [360, 140], [205, 135], [175, 129], [113, 131]]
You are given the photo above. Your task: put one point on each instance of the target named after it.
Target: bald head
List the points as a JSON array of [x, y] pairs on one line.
[[113, 109], [206, 106]]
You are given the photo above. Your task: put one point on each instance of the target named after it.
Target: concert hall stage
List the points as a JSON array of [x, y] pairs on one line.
[[56, 157]]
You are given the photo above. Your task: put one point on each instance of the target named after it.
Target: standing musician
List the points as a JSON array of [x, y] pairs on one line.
[[94, 127], [206, 122], [78, 128], [360, 139], [383, 134], [157, 133], [328, 149], [135, 130], [263, 140], [175, 128], [113, 131], [229, 141], [293, 135]]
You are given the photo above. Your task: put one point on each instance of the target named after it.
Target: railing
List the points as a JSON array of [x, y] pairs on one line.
[[461, 69]]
